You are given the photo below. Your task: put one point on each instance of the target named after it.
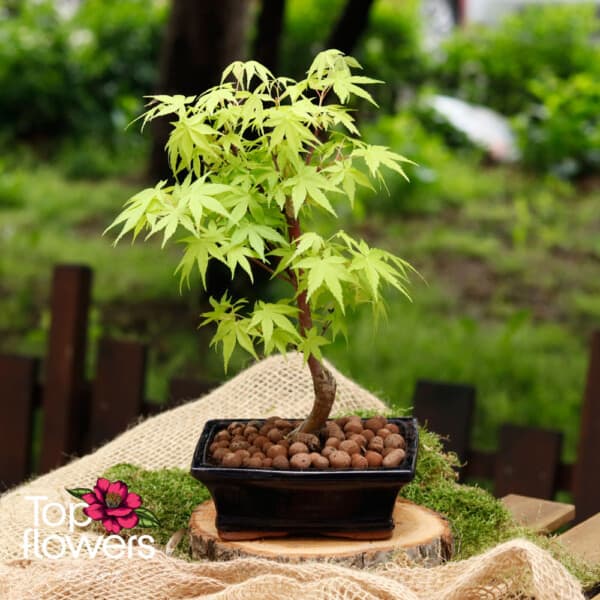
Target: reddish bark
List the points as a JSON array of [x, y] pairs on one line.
[[323, 381]]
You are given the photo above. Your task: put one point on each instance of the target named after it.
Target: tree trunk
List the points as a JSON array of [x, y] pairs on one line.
[[201, 39], [350, 26], [325, 388], [268, 33]]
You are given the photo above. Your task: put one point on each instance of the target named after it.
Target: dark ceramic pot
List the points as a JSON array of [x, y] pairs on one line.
[[330, 501]]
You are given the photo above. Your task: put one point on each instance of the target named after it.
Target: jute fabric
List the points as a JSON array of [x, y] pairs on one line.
[[277, 385]]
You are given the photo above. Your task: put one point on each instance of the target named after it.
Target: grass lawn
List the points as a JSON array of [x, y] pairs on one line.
[[508, 298]]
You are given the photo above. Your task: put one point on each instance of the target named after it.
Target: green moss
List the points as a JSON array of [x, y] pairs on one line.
[[478, 520]]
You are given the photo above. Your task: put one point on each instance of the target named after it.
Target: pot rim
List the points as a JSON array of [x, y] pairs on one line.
[[203, 469]]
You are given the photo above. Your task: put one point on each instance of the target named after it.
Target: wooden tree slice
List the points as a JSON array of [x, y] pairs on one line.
[[419, 532]]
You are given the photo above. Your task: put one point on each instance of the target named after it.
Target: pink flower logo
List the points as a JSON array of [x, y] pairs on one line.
[[114, 506]]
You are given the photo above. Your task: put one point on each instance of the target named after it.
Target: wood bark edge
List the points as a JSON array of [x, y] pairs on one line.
[[421, 534]]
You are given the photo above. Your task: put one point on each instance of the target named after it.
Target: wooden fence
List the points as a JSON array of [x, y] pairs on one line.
[[78, 415], [528, 460]]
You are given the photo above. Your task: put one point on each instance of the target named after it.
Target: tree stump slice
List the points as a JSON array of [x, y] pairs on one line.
[[421, 534]]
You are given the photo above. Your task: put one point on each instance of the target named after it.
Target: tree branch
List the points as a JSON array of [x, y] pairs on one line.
[[266, 267]]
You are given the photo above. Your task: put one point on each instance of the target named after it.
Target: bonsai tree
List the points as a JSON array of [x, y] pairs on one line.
[[254, 159]]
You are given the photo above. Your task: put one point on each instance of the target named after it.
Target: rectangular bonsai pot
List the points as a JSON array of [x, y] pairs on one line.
[[330, 501]]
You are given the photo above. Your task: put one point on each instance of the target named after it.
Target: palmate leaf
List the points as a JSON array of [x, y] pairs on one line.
[[290, 127], [308, 182], [311, 344], [203, 196], [256, 235], [328, 271], [238, 254], [134, 217], [243, 72], [373, 265], [344, 84], [163, 104], [166, 215], [308, 241], [327, 61], [198, 252], [375, 156], [215, 98], [268, 316], [232, 328], [232, 332]]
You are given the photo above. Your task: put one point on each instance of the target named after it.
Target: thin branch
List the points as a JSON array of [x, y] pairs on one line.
[[265, 267], [309, 155]]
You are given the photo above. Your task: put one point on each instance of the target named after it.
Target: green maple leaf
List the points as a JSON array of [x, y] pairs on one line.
[[311, 344], [328, 271], [238, 254], [198, 252], [268, 316], [375, 156], [373, 265], [256, 235], [308, 182]]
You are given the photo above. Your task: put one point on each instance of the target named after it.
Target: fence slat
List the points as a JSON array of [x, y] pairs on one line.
[[118, 389], [181, 390], [527, 462], [447, 408], [64, 383], [479, 465], [586, 489], [544, 516], [582, 540], [17, 389]]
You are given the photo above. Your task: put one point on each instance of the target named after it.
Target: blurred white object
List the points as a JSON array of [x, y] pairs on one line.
[[483, 126], [440, 17], [491, 12]]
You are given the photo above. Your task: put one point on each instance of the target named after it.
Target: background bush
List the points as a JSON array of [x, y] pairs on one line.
[[71, 76], [441, 178], [390, 49], [561, 130], [493, 66], [36, 77]]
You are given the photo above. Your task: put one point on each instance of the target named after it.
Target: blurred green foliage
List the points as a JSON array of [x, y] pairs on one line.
[[37, 82], [307, 24], [85, 74], [442, 177], [541, 66], [524, 372], [561, 131], [390, 49], [493, 66]]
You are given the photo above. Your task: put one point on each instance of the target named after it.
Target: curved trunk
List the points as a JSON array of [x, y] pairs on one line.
[[325, 387], [323, 381]]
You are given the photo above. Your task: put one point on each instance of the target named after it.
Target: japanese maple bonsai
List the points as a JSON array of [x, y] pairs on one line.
[[251, 159]]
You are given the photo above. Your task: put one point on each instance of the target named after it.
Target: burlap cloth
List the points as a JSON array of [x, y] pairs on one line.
[[516, 569]]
